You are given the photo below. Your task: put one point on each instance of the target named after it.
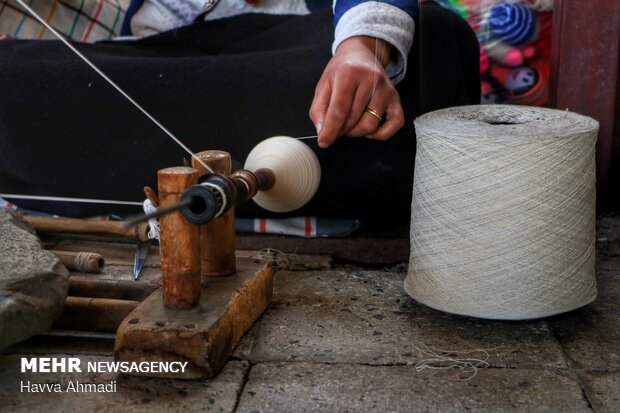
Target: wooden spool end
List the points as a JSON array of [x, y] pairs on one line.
[[217, 238], [204, 336], [179, 241]]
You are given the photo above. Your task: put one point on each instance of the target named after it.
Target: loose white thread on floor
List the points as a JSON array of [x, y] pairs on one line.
[[149, 208], [296, 168], [503, 212], [467, 361], [279, 259]]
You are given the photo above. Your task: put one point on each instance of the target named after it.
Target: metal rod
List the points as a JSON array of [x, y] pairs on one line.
[[67, 199], [156, 214]]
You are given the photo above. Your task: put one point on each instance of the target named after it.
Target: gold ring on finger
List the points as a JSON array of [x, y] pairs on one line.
[[375, 113]]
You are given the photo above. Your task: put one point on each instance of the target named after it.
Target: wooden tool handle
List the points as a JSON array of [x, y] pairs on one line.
[[81, 261], [86, 226], [94, 314]]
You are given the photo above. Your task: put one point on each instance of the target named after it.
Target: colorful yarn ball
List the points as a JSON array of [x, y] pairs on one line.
[[512, 23]]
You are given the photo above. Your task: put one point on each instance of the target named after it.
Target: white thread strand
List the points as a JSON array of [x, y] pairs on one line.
[[68, 199], [467, 362], [374, 74], [503, 212], [149, 208], [220, 190], [296, 168], [113, 84]]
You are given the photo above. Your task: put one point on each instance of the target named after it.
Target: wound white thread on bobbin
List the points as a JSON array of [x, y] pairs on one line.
[[149, 208], [296, 169], [503, 212]]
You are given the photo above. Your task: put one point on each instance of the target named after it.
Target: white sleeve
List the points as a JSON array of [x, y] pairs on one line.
[[382, 21]]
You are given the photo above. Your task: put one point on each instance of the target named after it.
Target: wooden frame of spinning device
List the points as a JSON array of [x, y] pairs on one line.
[[194, 319], [209, 298], [191, 318]]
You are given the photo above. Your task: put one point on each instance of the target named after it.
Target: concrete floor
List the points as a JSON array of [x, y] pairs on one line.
[[347, 338]]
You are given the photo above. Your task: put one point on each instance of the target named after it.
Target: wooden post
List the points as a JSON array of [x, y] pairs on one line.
[[584, 68], [179, 241], [217, 238]]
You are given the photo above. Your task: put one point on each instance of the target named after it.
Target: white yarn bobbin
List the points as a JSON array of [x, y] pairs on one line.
[[296, 168], [503, 212]]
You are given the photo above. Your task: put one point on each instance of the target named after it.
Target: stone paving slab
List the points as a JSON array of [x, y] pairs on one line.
[[591, 335], [305, 387], [74, 343], [366, 317], [133, 394], [388, 246], [603, 390]]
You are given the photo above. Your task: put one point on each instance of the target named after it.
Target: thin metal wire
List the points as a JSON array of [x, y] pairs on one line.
[[307, 137], [131, 221], [113, 84], [67, 199]]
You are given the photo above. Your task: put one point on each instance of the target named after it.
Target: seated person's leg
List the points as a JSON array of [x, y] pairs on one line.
[[70, 134]]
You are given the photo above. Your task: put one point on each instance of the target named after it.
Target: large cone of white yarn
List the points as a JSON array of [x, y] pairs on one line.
[[503, 212]]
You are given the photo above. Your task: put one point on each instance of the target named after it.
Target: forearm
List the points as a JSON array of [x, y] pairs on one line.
[[391, 21], [380, 48]]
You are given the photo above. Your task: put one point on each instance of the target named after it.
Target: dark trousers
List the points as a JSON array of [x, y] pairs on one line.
[[217, 85]]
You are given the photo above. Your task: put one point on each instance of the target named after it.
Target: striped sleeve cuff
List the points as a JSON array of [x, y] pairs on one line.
[[383, 21]]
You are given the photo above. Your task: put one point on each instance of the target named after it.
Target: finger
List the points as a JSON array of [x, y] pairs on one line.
[[340, 103], [369, 123], [320, 103], [363, 95], [394, 121]]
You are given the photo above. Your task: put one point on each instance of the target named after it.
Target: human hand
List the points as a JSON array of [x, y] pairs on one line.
[[4, 36], [354, 81]]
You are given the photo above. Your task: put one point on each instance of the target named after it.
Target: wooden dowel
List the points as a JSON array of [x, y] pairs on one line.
[[81, 261], [179, 241], [94, 314], [266, 178], [80, 286], [217, 238], [151, 195], [87, 226]]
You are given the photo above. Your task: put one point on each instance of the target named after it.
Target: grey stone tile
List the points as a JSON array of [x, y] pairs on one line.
[[606, 263], [305, 387], [290, 261], [132, 394], [603, 390], [388, 246], [74, 343], [366, 317], [247, 343], [591, 335], [608, 242]]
